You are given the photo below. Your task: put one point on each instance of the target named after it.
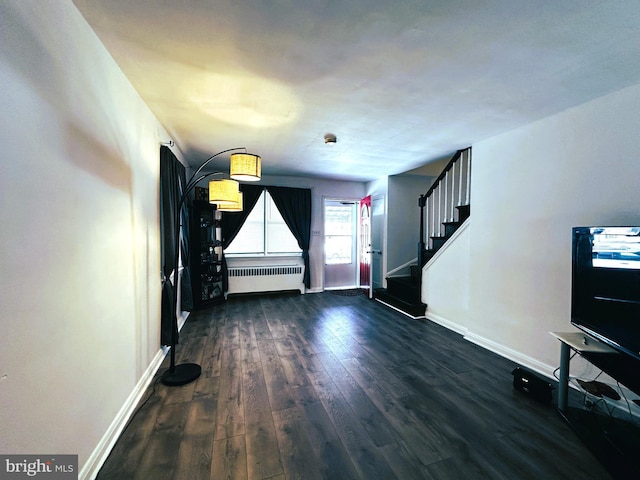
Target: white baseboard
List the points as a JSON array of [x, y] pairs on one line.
[[95, 461], [446, 323], [506, 352], [517, 357]]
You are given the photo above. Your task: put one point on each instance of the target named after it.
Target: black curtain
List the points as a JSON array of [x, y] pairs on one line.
[[232, 223], [186, 292], [294, 205], [172, 176]]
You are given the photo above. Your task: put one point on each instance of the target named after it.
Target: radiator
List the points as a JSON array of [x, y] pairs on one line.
[[266, 278]]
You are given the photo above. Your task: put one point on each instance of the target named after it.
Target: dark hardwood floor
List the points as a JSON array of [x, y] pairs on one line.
[[324, 386]]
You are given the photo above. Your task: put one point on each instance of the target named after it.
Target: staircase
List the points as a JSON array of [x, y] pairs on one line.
[[443, 209]]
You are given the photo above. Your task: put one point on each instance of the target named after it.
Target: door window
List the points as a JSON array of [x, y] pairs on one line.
[[338, 224]]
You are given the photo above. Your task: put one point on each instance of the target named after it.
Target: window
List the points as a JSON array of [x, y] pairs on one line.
[[265, 232]]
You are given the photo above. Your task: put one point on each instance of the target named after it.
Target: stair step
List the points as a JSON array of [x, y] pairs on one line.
[[413, 309], [405, 288], [425, 256], [438, 242], [450, 228], [464, 212]]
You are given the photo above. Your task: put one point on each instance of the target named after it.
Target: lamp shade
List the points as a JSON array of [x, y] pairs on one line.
[[231, 206], [245, 167], [223, 191]]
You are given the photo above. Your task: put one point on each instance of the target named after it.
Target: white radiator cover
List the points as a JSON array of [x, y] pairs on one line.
[[265, 278]]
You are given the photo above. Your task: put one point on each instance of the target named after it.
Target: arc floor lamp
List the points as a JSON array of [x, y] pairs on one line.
[[226, 195]]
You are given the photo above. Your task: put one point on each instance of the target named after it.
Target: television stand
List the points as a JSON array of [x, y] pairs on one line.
[[613, 439], [581, 343]]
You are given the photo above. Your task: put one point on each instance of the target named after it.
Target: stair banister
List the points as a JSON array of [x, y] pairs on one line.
[[460, 183], [468, 199], [421, 246], [438, 204], [445, 194]]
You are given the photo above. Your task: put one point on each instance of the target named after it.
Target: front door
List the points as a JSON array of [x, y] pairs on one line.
[[365, 245]]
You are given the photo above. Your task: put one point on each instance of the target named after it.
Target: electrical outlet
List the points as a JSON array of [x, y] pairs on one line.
[[315, 233]]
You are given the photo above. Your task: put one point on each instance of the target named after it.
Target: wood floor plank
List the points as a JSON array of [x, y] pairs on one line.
[[206, 387], [405, 463], [278, 387], [196, 447], [248, 342], [231, 333], [254, 393], [183, 394], [298, 456], [338, 348], [194, 457], [294, 371], [212, 353], [230, 410], [161, 453], [263, 453], [276, 381], [229, 459], [191, 349], [260, 327], [284, 345]]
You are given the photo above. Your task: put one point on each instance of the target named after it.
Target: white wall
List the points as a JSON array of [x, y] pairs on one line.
[[403, 223], [529, 187], [80, 296]]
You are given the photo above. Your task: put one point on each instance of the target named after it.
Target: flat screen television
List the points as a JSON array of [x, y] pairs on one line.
[[605, 285]]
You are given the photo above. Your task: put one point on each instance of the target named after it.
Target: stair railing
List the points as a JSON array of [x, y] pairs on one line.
[[451, 189]]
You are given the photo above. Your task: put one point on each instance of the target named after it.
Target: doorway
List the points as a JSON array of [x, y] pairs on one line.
[[340, 244]]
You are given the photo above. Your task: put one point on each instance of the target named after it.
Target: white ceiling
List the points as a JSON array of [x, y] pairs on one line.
[[401, 83]]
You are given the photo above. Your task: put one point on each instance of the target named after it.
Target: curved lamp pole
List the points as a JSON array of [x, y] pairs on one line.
[[184, 373]]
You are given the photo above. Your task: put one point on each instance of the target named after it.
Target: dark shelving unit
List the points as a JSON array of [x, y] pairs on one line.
[[205, 250]]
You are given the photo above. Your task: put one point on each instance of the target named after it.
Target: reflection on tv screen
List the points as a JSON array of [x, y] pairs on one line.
[[616, 247]]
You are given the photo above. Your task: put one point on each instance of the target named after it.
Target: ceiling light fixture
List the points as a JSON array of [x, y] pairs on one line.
[[245, 167], [330, 138]]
